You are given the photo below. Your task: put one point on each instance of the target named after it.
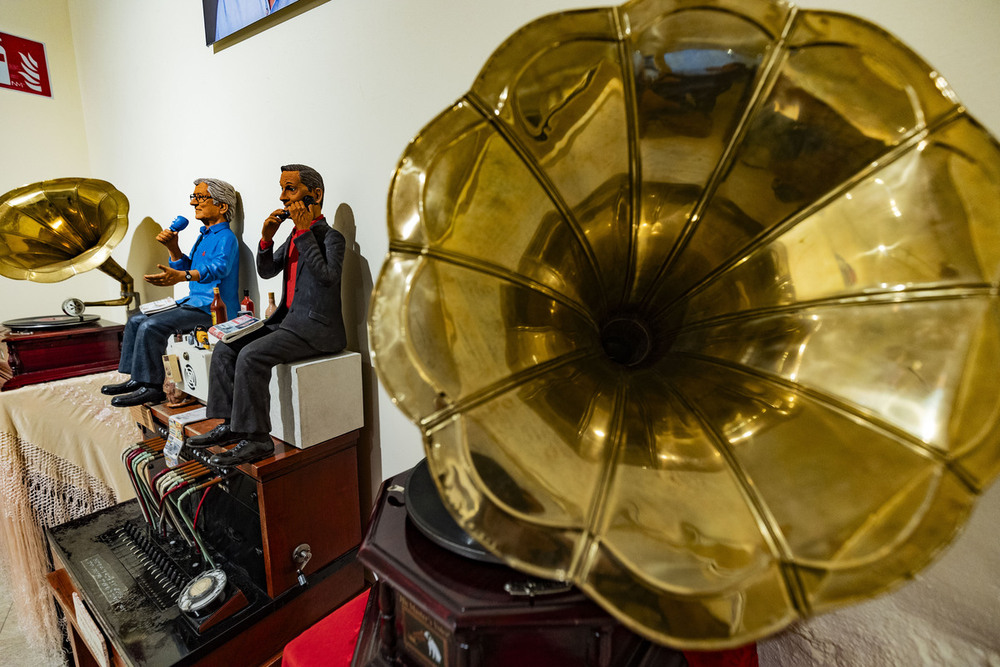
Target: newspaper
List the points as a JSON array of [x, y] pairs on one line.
[[158, 306], [236, 328]]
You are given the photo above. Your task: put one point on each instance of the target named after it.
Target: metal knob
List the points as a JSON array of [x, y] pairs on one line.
[[301, 556]]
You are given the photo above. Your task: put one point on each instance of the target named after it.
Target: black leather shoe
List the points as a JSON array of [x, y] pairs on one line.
[[144, 395], [244, 452], [220, 435], [126, 387]]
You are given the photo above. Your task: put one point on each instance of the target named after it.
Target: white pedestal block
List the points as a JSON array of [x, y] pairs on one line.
[[318, 399]]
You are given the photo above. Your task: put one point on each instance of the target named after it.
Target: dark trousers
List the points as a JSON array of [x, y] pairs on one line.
[[238, 385], [145, 340]]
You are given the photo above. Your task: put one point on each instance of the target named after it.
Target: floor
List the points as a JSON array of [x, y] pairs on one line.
[[14, 650]]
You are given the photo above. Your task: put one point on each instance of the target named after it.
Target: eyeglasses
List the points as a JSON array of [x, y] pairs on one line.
[[198, 197]]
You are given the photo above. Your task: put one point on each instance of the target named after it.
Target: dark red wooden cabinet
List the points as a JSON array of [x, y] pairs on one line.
[[434, 608], [43, 355]]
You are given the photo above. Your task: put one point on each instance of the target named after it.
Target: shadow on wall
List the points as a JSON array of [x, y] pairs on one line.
[[143, 256], [355, 291], [248, 258]]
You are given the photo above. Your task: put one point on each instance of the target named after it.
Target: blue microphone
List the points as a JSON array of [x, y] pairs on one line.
[[179, 223]]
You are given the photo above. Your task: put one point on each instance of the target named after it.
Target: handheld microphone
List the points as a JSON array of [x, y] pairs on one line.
[[179, 223]]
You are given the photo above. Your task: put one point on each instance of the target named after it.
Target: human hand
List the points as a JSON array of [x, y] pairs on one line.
[[165, 278], [271, 224], [301, 213], [169, 238]]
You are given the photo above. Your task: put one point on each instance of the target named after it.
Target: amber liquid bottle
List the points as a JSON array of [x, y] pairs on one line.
[[246, 305], [218, 308], [271, 306]]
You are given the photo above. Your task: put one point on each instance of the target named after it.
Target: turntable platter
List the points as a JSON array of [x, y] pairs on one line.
[[428, 513], [50, 322]]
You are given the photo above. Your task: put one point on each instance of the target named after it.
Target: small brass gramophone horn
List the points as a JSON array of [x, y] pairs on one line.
[[52, 230]]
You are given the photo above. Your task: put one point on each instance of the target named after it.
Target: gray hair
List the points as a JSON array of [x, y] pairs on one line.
[[307, 175], [222, 193]]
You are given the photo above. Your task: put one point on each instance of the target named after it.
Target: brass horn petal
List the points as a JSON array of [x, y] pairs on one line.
[[52, 230], [695, 305]]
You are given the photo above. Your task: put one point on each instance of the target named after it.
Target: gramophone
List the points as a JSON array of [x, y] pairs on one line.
[[50, 231], [695, 304]]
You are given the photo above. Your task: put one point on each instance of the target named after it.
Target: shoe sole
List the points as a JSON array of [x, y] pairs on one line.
[[222, 441], [116, 392], [152, 401], [235, 461]]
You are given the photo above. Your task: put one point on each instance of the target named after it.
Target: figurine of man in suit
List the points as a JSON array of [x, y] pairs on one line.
[[307, 323]]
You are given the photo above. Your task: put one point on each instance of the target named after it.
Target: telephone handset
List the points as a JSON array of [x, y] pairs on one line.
[[307, 200]]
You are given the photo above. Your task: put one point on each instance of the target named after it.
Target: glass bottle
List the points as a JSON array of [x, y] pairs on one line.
[[218, 308], [246, 305], [271, 307]]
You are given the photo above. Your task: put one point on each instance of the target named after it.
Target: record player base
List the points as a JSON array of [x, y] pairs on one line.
[[432, 607], [46, 355], [349, 632], [376, 647], [435, 608]]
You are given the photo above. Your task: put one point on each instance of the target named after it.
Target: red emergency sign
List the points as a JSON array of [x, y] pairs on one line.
[[23, 66]]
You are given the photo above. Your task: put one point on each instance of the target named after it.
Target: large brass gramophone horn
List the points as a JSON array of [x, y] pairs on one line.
[[696, 305], [52, 230]]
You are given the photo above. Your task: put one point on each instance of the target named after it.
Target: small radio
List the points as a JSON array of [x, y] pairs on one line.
[[194, 361]]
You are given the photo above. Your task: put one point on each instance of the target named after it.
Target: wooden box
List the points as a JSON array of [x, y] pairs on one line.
[[54, 354], [434, 608]]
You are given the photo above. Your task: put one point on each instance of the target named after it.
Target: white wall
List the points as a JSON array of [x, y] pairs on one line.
[[43, 138], [343, 87]]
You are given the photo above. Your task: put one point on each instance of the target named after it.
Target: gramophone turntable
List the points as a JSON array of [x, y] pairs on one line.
[[442, 599], [50, 231]]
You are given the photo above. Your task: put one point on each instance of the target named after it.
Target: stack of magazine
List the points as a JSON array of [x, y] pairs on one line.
[[236, 328]]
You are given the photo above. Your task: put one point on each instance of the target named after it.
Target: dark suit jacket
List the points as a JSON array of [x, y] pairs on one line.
[[315, 314]]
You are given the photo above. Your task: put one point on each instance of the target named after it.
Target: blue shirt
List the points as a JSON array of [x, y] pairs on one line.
[[235, 14], [216, 258]]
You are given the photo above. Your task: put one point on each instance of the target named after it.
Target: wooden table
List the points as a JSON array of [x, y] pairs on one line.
[[60, 447]]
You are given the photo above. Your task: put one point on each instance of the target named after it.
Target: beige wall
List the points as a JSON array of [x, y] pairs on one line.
[[43, 138], [343, 86]]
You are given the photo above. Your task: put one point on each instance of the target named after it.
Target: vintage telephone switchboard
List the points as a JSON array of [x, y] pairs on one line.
[[206, 563]]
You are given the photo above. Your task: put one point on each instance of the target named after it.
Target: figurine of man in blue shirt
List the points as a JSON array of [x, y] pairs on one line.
[[213, 262]]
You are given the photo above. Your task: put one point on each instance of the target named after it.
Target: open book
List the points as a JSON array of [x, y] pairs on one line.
[[158, 305], [236, 328]]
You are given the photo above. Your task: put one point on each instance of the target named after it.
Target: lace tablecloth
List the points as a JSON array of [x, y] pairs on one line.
[[60, 459]]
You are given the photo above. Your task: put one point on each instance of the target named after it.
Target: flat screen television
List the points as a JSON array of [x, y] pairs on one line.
[[225, 17]]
